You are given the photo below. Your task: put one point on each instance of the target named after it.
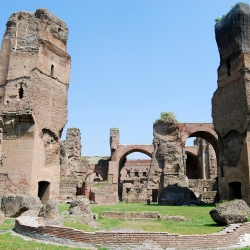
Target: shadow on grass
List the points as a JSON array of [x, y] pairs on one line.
[[212, 225], [157, 205]]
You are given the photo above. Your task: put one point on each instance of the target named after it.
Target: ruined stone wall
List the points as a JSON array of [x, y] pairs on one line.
[[134, 169], [70, 156], [34, 81], [79, 174], [205, 190], [97, 168], [103, 193], [230, 103], [137, 240], [207, 159], [68, 189], [133, 180], [168, 159], [131, 215]]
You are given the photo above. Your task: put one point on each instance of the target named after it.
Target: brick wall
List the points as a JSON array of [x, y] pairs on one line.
[[164, 239], [130, 215]]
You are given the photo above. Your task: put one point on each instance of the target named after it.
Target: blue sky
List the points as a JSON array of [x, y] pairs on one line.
[[132, 60]]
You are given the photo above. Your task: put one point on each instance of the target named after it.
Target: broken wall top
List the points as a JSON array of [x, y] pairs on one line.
[[232, 32], [28, 29], [35, 70]]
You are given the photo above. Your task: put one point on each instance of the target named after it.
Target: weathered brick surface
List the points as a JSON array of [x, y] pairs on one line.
[[164, 239], [34, 80], [130, 215], [230, 103]]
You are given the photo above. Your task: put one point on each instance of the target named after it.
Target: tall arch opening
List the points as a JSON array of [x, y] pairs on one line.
[[201, 156], [193, 166], [43, 191], [133, 176], [201, 166]]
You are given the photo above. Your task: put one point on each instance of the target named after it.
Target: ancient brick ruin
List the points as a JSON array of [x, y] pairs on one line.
[[34, 79], [173, 164], [115, 178], [231, 103]]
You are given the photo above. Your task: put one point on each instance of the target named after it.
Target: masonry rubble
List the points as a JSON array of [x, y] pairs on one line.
[[15, 205]]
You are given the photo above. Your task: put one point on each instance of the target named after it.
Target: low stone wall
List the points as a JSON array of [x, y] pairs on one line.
[[131, 215], [164, 240]]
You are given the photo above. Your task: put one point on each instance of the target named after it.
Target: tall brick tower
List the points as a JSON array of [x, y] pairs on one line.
[[34, 80], [231, 103]]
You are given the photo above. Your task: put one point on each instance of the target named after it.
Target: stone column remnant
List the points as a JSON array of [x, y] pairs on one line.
[[167, 165], [71, 162], [114, 139], [34, 81], [231, 103]]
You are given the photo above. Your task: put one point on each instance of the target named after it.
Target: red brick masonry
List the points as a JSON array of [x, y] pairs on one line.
[[164, 239]]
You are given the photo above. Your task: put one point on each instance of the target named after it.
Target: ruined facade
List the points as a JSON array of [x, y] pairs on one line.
[[133, 180], [194, 167], [107, 180], [201, 162], [83, 175], [230, 103], [34, 80], [168, 159]]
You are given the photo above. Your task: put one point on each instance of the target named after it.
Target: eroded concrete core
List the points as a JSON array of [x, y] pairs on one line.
[[168, 162], [231, 102], [34, 80]]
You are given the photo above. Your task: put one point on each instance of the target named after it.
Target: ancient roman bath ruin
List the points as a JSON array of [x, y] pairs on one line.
[[34, 81], [35, 69]]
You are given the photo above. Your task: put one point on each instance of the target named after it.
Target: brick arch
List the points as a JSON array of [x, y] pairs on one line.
[[94, 172], [203, 130], [130, 150], [123, 150]]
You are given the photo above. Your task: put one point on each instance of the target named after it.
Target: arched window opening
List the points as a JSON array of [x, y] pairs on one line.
[[52, 70], [20, 92]]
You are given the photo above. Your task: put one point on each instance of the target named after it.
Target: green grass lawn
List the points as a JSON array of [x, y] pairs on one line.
[[11, 242], [199, 220], [8, 224]]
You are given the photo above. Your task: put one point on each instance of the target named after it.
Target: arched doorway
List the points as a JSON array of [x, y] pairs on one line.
[[43, 191], [133, 176]]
